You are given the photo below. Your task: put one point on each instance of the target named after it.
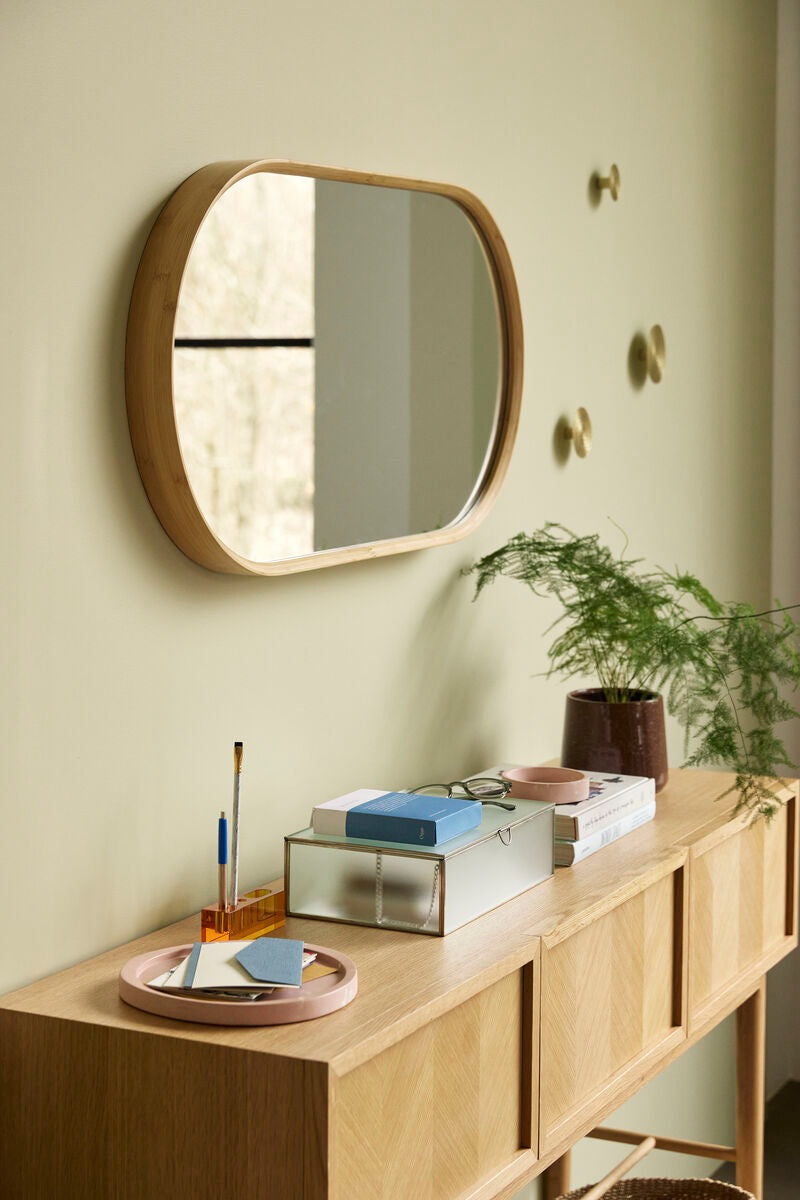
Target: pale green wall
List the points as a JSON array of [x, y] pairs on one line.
[[127, 670]]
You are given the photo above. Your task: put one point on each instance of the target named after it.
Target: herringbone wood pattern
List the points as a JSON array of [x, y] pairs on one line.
[[607, 996], [738, 905], [439, 1110]]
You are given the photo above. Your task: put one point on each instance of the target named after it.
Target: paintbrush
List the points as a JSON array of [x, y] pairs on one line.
[[237, 777]]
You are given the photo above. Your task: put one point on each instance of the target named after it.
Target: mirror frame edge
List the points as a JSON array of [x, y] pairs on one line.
[[149, 348]]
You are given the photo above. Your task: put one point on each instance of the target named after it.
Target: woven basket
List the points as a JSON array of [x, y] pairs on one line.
[[667, 1189]]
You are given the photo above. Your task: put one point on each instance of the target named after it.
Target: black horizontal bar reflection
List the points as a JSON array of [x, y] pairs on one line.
[[233, 343]]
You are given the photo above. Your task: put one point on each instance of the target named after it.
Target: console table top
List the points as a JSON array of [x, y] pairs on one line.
[[406, 979]]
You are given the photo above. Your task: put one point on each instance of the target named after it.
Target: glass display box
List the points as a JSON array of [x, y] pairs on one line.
[[431, 890]]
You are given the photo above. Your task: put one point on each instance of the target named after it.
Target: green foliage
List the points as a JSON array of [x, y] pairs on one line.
[[718, 665]]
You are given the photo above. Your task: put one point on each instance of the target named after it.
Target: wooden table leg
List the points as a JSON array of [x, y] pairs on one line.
[[750, 1035], [556, 1178]]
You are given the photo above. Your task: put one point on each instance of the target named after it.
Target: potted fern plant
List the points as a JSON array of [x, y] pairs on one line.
[[650, 637]]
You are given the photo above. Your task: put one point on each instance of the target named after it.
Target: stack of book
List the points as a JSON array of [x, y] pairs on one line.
[[616, 805], [396, 817]]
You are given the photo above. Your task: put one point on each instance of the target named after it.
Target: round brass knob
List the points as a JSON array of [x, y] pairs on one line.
[[580, 433], [611, 181], [654, 354]]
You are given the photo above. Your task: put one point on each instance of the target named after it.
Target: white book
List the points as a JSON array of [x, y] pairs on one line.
[[331, 816], [610, 797], [567, 853]]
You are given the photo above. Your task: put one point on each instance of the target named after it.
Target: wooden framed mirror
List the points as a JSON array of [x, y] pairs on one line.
[[321, 365]]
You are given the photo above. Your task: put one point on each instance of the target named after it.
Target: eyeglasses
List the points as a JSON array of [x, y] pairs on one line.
[[484, 789]]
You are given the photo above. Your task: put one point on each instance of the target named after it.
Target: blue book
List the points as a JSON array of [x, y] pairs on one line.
[[397, 817]]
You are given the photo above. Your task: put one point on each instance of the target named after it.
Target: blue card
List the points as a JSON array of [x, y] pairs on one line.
[[191, 966], [274, 960]]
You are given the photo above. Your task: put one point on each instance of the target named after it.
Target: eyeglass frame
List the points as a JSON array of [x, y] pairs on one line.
[[504, 785]]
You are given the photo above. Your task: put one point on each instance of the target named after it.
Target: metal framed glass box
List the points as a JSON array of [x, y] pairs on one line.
[[430, 890]]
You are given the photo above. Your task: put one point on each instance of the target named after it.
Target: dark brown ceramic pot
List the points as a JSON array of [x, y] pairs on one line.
[[625, 738]]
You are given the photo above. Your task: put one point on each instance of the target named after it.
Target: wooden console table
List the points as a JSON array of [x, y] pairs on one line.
[[466, 1066]]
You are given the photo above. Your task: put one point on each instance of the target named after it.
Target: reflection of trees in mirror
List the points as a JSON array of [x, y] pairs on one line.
[[245, 421], [245, 411], [719, 664], [251, 270]]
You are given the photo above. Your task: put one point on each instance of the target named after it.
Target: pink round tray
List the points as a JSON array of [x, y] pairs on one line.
[[316, 998]]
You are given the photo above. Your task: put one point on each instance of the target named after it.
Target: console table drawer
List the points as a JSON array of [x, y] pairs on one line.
[[612, 995], [742, 906], [443, 1108]]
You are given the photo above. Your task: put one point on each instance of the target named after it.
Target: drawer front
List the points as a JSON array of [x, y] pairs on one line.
[[741, 907], [612, 993], [449, 1105]]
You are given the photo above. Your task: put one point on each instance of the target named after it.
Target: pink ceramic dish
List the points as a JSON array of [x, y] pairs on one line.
[[558, 785], [316, 998]]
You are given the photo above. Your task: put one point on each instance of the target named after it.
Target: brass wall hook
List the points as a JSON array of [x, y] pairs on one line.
[[580, 432], [612, 181], [654, 354]]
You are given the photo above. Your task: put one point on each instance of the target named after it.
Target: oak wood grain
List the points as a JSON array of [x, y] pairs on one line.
[[406, 980], [90, 1113], [77, 1065], [741, 910], [555, 1182], [438, 1111], [751, 1018], [54, 1115], [608, 997], [675, 1145], [622, 1087]]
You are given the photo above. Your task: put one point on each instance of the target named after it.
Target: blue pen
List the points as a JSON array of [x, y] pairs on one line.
[[222, 860]]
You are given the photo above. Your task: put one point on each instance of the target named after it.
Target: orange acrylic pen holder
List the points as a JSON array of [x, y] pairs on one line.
[[256, 912]]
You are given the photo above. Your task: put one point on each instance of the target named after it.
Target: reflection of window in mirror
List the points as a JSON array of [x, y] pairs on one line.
[[244, 366], [336, 364]]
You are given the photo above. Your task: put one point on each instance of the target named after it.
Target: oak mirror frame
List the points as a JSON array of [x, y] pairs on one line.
[[150, 370]]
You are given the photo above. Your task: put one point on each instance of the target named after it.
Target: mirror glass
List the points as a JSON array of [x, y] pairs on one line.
[[336, 366]]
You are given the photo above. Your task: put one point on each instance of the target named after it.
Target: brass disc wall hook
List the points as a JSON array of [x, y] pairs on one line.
[[612, 181], [654, 354], [580, 432]]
